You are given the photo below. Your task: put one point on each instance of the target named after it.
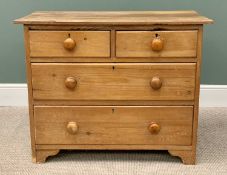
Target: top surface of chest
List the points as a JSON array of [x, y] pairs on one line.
[[114, 17]]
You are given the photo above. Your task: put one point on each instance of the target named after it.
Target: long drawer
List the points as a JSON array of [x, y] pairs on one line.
[[107, 81], [158, 125], [69, 43]]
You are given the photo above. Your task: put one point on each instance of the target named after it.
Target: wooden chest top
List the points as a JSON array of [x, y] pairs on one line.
[[114, 18]]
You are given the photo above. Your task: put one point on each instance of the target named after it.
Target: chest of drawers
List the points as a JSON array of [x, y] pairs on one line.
[[113, 81]]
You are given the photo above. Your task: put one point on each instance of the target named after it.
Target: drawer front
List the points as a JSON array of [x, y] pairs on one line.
[[159, 81], [69, 43], [156, 43], [123, 81], [113, 125]]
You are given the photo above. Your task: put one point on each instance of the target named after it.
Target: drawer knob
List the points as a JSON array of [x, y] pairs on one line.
[[154, 128], [72, 127], [69, 44], [70, 82], [157, 44], [156, 83]]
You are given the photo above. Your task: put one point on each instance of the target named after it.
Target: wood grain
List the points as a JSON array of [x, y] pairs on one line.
[[114, 125], [110, 27], [97, 91], [114, 17], [114, 60], [43, 154], [138, 43], [113, 103], [197, 92], [113, 81], [187, 157], [30, 92], [88, 43], [113, 147]]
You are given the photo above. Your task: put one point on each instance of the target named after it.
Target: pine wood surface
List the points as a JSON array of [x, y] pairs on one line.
[[114, 80], [138, 43], [88, 43], [30, 96], [114, 17], [103, 81], [114, 125]]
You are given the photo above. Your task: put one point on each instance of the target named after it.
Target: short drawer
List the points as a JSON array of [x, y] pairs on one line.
[[159, 125], [156, 44], [107, 81], [69, 43]]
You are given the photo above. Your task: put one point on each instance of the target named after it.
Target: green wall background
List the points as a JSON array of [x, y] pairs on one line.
[[12, 67]]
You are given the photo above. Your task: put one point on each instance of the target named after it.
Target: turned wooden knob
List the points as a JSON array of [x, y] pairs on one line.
[[72, 127], [154, 128], [69, 44], [70, 82], [157, 44], [156, 83]]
